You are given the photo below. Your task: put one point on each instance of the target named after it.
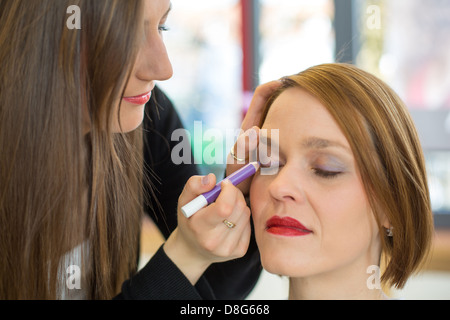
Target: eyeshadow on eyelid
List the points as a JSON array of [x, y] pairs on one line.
[[329, 163]]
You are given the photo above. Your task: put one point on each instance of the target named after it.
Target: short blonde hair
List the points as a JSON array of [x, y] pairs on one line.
[[388, 153]]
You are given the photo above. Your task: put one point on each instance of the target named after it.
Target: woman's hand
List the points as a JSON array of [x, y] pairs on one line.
[[204, 238], [245, 148], [256, 109]]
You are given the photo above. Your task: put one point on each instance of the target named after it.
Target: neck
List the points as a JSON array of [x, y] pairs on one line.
[[335, 285]]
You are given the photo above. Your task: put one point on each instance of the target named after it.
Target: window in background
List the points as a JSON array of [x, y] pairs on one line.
[[205, 49], [204, 44], [295, 35], [407, 43]]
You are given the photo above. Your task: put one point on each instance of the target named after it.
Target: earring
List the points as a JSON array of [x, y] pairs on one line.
[[390, 232]]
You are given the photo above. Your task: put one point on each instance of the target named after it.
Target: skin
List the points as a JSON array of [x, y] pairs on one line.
[[315, 180], [152, 64]]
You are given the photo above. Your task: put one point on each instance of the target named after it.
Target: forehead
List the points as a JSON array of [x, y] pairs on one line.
[[299, 115], [293, 106]]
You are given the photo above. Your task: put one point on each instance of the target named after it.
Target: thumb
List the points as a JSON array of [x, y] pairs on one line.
[[195, 186]]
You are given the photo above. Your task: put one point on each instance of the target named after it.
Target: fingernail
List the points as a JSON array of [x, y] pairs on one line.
[[205, 180]]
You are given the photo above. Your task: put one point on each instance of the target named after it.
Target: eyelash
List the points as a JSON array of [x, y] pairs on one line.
[[326, 174], [318, 172], [163, 28]]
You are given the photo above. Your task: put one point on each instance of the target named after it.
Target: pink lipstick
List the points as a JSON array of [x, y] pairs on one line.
[[139, 100], [286, 226]]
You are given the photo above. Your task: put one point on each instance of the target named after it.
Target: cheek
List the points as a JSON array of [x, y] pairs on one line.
[[348, 225], [257, 201]]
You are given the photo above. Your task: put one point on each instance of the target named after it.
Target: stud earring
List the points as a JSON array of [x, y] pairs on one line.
[[390, 232]]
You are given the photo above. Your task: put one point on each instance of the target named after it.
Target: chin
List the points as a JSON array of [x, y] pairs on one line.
[[278, 263], [278, 269], [290, 262], [131, 120], [291, 270]]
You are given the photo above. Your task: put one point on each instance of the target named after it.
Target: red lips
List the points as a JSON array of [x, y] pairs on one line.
[[286, 226]]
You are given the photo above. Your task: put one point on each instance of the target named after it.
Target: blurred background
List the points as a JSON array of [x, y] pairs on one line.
[[221, 50]]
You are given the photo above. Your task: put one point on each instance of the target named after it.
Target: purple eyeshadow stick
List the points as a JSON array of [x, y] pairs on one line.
[[209, 197]]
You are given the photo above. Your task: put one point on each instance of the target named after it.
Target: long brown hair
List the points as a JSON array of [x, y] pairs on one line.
[[61, 188], [388, 154]]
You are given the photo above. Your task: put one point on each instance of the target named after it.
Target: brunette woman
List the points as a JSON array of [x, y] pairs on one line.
[[72, 172]]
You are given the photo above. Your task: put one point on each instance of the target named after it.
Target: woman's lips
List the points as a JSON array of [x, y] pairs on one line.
[[286, 226], [139, 100]]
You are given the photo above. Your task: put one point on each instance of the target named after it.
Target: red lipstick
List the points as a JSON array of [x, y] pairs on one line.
[[139, 100], [286, 226]]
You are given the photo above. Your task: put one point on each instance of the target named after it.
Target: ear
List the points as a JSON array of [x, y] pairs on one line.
[[384, 221], [386, 224]]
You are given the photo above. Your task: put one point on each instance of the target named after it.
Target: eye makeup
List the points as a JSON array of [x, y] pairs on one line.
[[327, 159], [327, 166]]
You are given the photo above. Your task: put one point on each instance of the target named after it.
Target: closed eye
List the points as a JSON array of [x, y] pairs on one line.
[[325, 173]]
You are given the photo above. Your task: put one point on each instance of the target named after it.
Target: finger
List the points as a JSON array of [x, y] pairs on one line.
[[213, 235], [239, 219], [222, 208], [195, 186], [240, 215], [238, 236], [260, 97], [246, 144], [244, 239], [245, 148], [227, 200], [230, 202]]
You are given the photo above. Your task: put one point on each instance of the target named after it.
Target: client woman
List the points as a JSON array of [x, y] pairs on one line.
[[347, 186]]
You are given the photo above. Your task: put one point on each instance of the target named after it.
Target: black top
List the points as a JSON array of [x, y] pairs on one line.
[[160, 279]]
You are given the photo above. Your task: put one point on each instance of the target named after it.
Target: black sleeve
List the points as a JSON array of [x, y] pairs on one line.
[[160, 278]]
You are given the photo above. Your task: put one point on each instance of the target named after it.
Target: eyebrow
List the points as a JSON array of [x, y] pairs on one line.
[[311, 143], [319, 143]]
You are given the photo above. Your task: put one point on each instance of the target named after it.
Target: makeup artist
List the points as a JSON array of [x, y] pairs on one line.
[[73, 180]]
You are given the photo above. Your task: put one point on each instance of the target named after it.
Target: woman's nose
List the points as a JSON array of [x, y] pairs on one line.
[[286, 185], [153, 61]]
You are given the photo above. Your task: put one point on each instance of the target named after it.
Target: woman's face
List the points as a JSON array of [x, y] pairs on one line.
[[152, 64], [311, 216]]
